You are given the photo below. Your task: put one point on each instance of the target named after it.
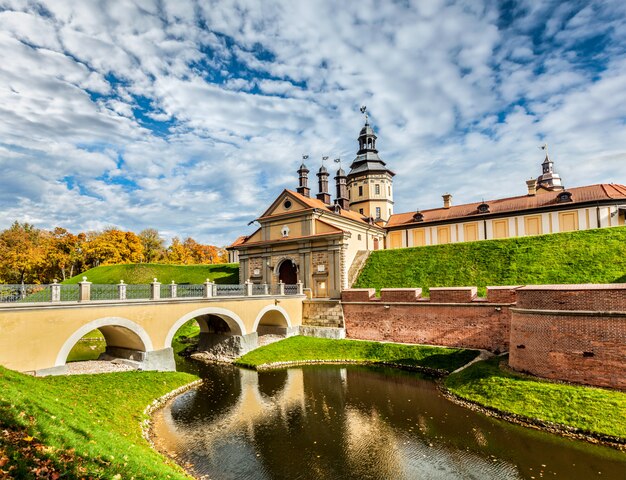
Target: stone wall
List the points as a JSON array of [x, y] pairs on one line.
[[452, 317], [575, 333], [322, 313]]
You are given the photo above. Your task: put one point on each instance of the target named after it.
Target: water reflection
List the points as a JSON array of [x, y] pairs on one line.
[[357, 423]]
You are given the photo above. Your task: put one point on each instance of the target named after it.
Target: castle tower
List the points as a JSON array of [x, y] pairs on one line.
[[322, 180], [370, 184], [549, 179], [303, 180]]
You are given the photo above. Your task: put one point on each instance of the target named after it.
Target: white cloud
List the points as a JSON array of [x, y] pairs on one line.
[[135, 114]]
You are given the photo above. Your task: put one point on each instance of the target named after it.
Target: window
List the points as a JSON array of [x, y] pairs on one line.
[[361, 211], [389, 190], [358, 236], [377, 212], [360, 191], [377, 189], [287, 204]]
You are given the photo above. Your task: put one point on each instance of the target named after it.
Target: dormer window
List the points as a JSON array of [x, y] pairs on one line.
[[564, 197], [483, 208], [418, 217]]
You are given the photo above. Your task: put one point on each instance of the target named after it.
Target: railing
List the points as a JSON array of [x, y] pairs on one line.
[[86, 291], [229, 290]]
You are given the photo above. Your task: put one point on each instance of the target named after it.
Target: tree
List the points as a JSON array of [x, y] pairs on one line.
[[112, 246], [178, 253], [64, 253], [21, 253], [153, 245]]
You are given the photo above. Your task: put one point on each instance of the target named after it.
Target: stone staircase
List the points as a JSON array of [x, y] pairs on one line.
[[357, 265]]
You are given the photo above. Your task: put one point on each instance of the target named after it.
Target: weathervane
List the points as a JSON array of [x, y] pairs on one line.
[[544, 147], [323, 160], [364, 112], [338, 160], [305, 157]]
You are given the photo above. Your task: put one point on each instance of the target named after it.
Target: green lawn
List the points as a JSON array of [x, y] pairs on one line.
[[142, 273], [592, 256], [590, 409], [83, 426], [301, 348]]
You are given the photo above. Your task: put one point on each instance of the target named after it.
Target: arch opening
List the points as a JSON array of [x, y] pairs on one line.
[[111, 338], [272, 324], [288, 272]]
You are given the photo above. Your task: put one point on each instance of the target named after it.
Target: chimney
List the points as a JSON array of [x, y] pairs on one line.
[[447, 200], [303, 177], [322, 180], [342, 190], [532, 186]]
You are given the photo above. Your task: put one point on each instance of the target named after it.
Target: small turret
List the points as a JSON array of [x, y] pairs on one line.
[[549, 179], [303, 179], [322, 180], [341, 180]]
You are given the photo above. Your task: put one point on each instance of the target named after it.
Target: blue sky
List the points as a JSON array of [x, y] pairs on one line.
[[190, 117]]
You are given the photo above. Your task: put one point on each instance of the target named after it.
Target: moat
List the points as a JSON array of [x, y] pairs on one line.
[[356, 422]]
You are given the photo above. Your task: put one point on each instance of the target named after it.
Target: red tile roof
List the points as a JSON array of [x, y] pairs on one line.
[[590, 193]]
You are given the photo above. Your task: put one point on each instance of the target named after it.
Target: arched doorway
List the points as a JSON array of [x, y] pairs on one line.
[[376, 244], [288, 272]]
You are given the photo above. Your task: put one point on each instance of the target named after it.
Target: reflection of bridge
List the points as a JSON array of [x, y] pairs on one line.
[[37, 336]]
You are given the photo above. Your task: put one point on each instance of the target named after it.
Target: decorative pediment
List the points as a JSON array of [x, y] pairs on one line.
[[285, 203]]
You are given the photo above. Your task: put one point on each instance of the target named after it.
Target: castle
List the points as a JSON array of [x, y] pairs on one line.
[[322, 243]]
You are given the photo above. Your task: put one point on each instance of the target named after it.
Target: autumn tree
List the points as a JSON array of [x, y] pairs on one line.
[[21, 253], [112, 246], [153, 245], [178, 253]]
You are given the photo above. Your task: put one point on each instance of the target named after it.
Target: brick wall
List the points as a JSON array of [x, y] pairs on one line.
[[451, 317], [575, 333]]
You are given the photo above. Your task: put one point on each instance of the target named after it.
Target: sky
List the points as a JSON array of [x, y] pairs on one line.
[[191, 116]]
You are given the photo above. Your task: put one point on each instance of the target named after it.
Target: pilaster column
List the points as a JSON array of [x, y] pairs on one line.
[[121, 290], [84, 290], [155, 290], [55, 291]]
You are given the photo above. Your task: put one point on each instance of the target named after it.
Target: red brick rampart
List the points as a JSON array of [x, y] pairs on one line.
[[452, 317], [575, 333]]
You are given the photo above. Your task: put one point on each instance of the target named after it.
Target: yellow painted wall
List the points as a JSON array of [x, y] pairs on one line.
[[395, 239], [533, 225], [470, 232], [419, 237], [33, 336], [568, 221], [501, 228], [275, 229], [443, 235]]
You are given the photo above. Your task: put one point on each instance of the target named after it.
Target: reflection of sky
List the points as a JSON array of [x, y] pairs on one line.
[[358, 422]]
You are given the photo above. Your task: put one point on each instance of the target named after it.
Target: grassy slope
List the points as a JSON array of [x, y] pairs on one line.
[[135, 273], [81, 426], [590, 409], [307, 348], [592, 256]]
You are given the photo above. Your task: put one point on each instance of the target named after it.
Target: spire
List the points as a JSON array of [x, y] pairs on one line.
[[322, 180], [303, 179], [367, 137], [549, 179]]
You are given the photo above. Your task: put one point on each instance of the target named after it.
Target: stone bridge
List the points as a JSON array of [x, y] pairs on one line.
[[38, 336]]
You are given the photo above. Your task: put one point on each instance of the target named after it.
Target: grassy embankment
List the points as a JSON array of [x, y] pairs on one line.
[[305, 349], [85, 426], [592, 256], [593, 410], [138, 273]]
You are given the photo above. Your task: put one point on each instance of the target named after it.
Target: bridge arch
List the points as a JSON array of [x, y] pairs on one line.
[[234, 322], [273, 315], [117, 331]]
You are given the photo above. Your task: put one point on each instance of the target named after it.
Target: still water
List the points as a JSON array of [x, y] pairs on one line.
[[357, 422]]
